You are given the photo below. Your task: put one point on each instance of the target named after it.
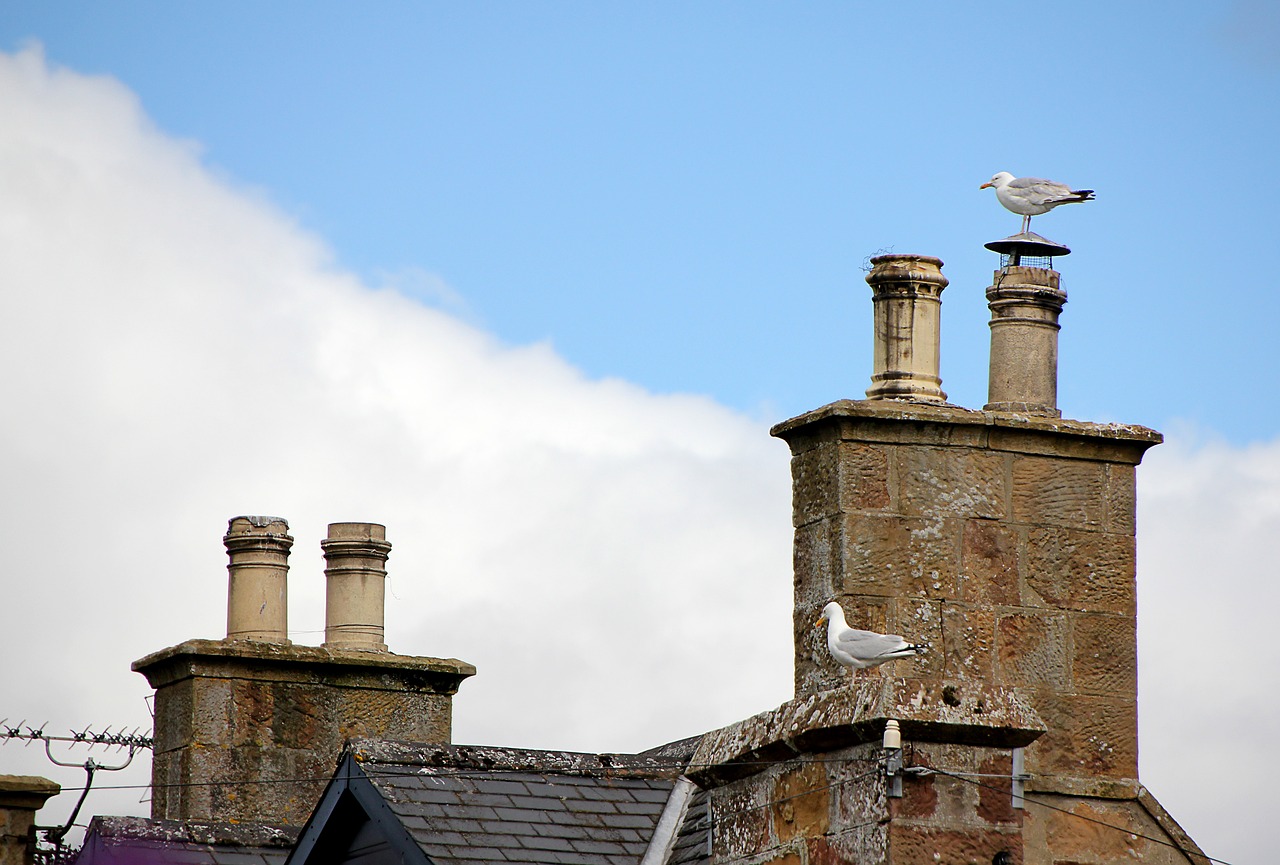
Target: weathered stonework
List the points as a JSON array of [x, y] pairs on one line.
[[232, 710], [1005, 541], [21, 796]]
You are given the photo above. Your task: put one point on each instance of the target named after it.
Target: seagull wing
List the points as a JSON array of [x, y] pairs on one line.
[[1038, 191], [868, 645]]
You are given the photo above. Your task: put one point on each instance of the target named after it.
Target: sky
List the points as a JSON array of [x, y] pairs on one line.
[[528, 283]]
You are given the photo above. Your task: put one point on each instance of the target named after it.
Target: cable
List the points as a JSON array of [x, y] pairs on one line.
[[683, 767]]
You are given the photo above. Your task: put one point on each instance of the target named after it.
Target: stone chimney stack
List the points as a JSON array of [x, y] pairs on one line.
[[355, 575], [1025, 301], [248, 729], [257, 573], [907, 293], [21, 796], [1004, 540]]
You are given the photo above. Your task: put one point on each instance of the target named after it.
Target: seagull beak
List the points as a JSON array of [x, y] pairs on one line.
[[985, 185], [820, 622]]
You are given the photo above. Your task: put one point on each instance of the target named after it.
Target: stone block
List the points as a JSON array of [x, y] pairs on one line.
[[1084, 834], [1081, 570], [919, 799], [1105, 655], [951, 482], [1059, 492], [1122, 499], [801, 803], [174, 717], [863, 477], [814, 485], [995, 796], [1032, 650], [864, 844], [923, 845], [891, 555], [816, 562], [968, 641], [211, 701], [1087, 736], [742, 821], [919, 620], [838, 477], [989, 564]]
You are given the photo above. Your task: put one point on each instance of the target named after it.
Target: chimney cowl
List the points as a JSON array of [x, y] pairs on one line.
[[1025, 302]]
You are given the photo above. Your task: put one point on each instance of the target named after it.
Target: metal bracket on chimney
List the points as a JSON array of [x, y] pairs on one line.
[[1019, 777]]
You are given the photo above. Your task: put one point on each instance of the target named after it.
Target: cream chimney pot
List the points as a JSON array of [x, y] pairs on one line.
[[257, 574], [1025, 303], [355, 573], [907, 294]]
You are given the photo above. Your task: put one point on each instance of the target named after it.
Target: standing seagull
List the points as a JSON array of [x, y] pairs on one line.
[[1032, 196], [859, 650]]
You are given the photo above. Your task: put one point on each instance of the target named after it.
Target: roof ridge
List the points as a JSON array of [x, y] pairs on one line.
[[428, 757]]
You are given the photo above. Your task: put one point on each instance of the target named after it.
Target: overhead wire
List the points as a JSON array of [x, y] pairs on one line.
[[620, 771]]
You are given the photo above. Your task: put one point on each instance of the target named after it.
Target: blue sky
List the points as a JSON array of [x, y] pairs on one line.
[[683, 195], [529, 282]]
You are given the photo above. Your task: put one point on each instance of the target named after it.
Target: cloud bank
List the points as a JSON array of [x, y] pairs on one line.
[[177, 351]]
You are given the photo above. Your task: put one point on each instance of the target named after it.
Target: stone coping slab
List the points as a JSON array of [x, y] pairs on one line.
[[933, 711], [448, 758], [902, 421], [287, 662]]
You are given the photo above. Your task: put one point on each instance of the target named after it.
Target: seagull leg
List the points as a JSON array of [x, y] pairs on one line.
[[1026, 224]]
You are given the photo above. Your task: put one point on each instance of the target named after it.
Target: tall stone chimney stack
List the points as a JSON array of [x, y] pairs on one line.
[[1004, 540], [248, 728], [907, 294]]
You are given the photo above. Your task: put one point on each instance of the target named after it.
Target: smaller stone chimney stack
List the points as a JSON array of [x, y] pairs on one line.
[[1025, 301], [907, 293], [257, 573], [248, 729], [21, 796], [355, 575]]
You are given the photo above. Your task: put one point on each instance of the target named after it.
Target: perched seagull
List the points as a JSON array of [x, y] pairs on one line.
[[1031, 196], [859, 650]]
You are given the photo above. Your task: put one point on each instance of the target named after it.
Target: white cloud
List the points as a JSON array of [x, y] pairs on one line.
[[1208, 589], [177, 352]]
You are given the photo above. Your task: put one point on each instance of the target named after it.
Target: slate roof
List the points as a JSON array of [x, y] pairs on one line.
[[692, 844], [469, 805], [503, 805], [138, 841]]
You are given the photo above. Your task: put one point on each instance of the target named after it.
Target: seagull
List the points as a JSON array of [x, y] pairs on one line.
[[859, 650], [1032, 196]]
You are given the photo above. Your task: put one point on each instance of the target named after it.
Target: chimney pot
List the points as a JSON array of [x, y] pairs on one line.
[[907, 294], [257, 574], [1025, 303], [355, 574]]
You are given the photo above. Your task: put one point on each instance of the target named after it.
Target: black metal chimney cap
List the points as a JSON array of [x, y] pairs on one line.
[[1028, 244]]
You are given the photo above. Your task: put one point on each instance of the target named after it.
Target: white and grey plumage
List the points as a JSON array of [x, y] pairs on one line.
[[1032, 196], [859, 650]]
